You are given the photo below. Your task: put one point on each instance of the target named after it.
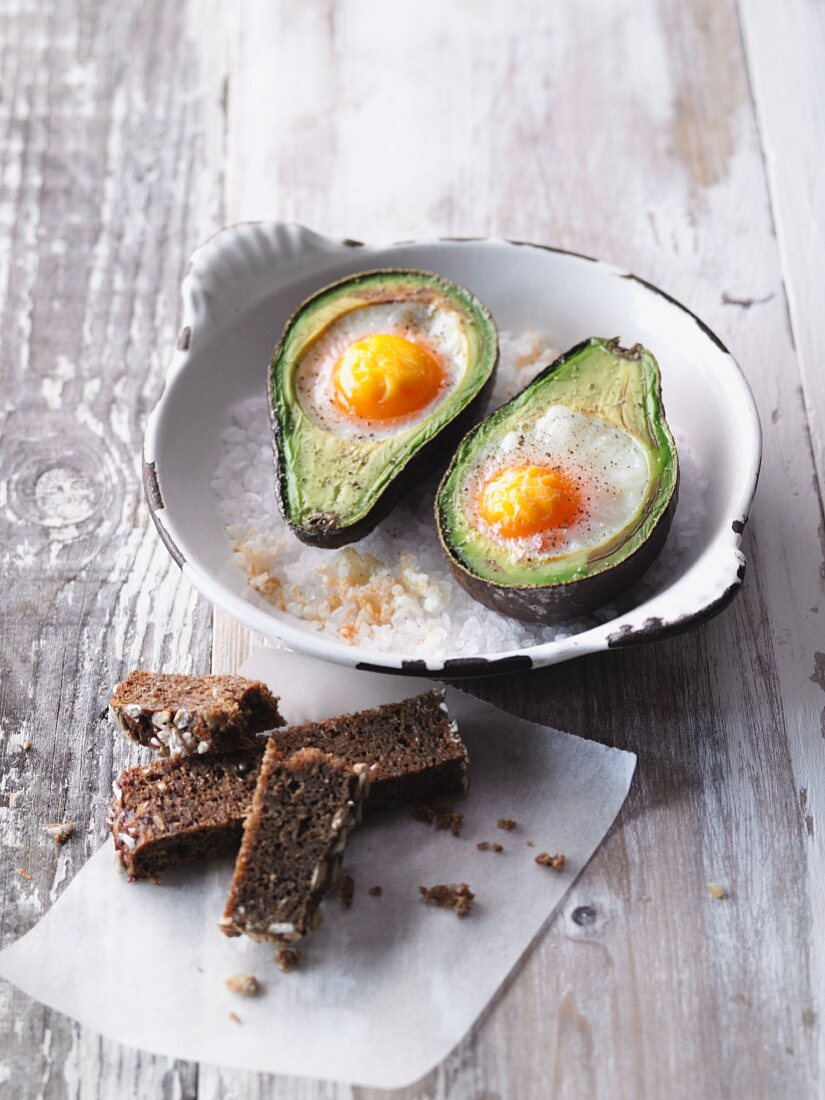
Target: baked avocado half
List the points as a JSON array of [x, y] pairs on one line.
[[561, 498], [373, 377]]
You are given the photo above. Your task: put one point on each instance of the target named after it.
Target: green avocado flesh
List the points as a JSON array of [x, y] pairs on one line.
[[331, 479], [619, 388]]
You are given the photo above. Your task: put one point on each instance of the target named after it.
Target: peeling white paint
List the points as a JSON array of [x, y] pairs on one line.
[[53, 384], [61, 873]]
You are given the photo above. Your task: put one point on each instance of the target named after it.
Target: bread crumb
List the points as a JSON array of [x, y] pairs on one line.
[[443, 817], [287, 958], [718, 892], [487, 846], [375, 891], [507, 823], [26, 744], [554, 862], [458, 897], [59, 831], [346, 889], [246, 985], [234, 1017], [23, 873]]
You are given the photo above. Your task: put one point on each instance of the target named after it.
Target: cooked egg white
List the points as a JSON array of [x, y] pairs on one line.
[[381, 368], [563, 483]]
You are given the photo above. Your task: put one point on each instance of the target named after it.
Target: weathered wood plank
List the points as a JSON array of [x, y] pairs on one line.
[[784, 50], [630, 135], [785, 45], [110, 138], [525, 120]]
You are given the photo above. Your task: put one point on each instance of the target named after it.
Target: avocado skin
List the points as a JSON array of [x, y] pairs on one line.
[[556, 602], [326, 531], [327, 534]]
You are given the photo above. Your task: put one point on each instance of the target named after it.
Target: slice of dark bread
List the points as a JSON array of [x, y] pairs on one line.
[[178, 715], [413, 748], [165, 813], [294, 837]]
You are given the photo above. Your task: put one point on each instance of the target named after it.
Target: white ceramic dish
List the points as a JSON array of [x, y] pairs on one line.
[[244, 283]]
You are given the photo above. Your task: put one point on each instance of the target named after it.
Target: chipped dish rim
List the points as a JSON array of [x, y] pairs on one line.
[[244, 245]]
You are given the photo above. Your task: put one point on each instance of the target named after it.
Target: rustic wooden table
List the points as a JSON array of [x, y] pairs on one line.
[[681, 139]]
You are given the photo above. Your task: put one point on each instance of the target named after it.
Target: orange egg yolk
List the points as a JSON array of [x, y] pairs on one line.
[[384, 376], [520, 501]]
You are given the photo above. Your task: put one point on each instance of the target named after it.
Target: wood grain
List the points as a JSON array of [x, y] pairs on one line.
[[109, 178], [535, 127], [785, 46], [639, 132]]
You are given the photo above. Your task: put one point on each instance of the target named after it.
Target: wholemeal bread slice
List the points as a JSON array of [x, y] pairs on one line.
[[413, 748], [165, 813], [303, 809], [179, 715]]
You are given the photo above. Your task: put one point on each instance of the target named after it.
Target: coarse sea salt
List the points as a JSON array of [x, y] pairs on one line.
[[393, 590]]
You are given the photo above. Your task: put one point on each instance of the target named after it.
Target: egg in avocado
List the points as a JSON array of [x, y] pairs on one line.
[[373, 376], [561, 498]]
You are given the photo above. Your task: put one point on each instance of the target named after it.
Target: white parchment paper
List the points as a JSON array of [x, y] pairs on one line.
[[385, 989]]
